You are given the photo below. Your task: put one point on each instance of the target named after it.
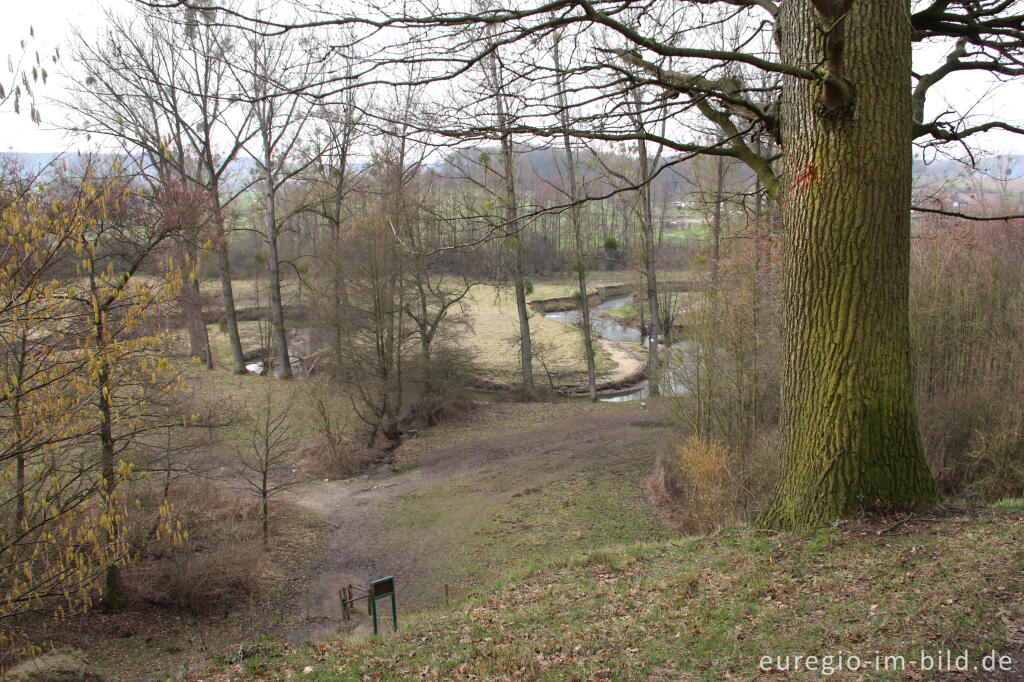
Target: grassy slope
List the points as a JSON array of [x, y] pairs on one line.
[[502, 491], [519, 490], [709, 608]]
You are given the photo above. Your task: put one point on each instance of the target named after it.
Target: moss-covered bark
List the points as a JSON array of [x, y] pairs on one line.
[[850, 430]]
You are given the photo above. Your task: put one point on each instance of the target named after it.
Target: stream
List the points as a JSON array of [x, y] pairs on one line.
[[616, 332]]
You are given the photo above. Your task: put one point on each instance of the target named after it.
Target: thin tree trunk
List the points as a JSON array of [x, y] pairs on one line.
[[192, 304], [264, 511], [113, 591], [337, 281], [716, 230], [650, 263], [579, 264], [19, 434], [284, 367], [755, 302], [851, 440], [512, 227], [227, 296], [525, 346]]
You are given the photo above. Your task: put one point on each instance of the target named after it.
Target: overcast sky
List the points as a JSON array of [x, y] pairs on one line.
[[51, 21]]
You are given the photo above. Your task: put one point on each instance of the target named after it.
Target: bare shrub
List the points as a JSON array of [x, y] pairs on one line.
[[337, 451], [967, 327], [267, 463], [997, 458], [210, 563], [710, 484], [333, 459], [441, 383], [664, 482], [730, 365], [704, 472], [730, 362], [762, 468]]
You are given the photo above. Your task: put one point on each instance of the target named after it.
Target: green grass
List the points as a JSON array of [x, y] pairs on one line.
[[248, 333], [626, 311], [494, 534], [710, 608], [546, 497]]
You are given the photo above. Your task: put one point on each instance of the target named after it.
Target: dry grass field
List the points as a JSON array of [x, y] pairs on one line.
[[488, 337], [494, 326]]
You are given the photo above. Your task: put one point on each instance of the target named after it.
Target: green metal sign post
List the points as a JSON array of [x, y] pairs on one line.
[[383, 587]]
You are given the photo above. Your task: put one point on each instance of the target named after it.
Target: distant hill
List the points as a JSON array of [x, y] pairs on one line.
[[545, 163], [33, 162], [37, 162], [1002, 165]]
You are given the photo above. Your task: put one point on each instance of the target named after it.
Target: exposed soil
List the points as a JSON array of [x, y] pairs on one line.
[[551, 305]]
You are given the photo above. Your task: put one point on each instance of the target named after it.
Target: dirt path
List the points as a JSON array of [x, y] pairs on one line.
[[511, 481]]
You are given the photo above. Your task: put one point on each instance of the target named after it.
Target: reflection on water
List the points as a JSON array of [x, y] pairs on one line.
[[603, 328], [670, 384]]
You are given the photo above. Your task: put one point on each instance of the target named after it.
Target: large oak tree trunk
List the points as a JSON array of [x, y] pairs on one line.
[[851, 440]]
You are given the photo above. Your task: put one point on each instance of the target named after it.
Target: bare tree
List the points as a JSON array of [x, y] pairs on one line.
[[496, 78], [573, 196], [266, 466], [162, 88], [637, 107], [278, 85], [331, 179]]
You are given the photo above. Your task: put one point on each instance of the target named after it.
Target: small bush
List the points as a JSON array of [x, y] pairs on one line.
[[524, 393], [712, 488], [665, 482], [337, 451], [336, 457], [966, 313], [711, 484], [997, 456], [442, 386]]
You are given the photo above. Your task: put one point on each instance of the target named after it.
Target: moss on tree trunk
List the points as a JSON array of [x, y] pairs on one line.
[[851, 440]]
